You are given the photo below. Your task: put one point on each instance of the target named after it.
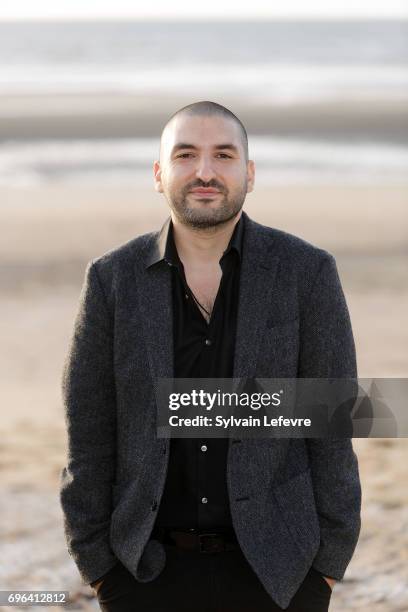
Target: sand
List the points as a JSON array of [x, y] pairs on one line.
[[48, 235]]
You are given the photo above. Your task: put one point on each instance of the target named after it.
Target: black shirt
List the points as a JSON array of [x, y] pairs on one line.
[[195, 493]]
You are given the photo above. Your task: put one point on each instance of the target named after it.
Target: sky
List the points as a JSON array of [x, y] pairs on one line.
[[211, 9]]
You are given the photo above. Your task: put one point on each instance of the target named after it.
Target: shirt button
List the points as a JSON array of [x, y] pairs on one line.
[[208, 342], [203, 448], [186, 296], [204, 500]]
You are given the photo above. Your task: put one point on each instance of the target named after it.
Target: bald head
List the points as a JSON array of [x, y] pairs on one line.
[[206, 109]]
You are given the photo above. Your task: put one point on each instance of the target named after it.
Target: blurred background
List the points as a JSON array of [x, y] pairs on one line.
[[84, 94]]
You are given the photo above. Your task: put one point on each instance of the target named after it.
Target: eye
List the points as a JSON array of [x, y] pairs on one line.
[[184, 155], [224, 156]]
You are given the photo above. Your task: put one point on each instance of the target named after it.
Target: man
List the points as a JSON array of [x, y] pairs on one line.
[[217, 525]]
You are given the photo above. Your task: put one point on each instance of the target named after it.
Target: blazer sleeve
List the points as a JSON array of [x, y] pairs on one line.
[[328, 351], [88, 391]]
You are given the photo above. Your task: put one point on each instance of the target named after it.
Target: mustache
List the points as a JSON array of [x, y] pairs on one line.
[[210, 185]]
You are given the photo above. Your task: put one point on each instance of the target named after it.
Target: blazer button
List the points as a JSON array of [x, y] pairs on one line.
[[153, 507]]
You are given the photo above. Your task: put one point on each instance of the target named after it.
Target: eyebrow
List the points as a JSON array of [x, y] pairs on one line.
[[219, 147]]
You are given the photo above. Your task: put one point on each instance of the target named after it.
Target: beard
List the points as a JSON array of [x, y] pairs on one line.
[[206, 215]]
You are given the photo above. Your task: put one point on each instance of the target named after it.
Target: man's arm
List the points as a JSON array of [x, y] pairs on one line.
[[327, 351], [88, 391]]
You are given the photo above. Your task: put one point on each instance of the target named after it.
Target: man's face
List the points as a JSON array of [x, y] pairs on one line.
[[202, 170]]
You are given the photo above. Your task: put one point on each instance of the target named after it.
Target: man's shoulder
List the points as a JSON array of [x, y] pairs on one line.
[[125, 254], [290, 247]]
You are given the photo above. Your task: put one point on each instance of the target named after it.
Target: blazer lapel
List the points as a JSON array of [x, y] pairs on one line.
[[258, 272], [153, 278]]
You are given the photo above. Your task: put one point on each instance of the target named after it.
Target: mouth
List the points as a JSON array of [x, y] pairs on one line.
[[205, 193]]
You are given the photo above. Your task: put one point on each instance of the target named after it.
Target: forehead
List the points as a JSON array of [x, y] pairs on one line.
[[200, 131]]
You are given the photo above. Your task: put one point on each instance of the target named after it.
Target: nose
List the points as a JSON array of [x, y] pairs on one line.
[[204, 169]]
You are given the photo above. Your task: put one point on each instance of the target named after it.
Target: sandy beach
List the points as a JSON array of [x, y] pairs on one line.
[[48, 235]]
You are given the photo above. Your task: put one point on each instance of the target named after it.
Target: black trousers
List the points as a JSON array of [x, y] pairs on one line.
[[205, 582]]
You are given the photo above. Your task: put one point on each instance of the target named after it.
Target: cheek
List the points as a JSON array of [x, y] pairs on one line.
[[177, 178], [236, 183], [233, 173]]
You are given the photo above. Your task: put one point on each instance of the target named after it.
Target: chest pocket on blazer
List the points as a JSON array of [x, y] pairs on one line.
[[282, 329]]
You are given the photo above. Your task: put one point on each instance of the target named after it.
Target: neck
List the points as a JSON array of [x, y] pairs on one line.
[[203, 245]]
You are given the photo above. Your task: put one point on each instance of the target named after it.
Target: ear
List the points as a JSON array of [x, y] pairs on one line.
[[157, 177], [250, 175]]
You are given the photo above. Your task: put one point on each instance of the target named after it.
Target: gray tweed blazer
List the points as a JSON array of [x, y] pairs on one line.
[[295, 503]]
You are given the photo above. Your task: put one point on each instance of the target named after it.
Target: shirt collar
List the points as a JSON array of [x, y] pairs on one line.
[[166, 248]]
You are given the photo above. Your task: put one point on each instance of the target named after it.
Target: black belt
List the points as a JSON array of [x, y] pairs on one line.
[[193, 540]]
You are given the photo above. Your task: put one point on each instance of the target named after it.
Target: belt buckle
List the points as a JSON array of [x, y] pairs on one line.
[[216, 548]]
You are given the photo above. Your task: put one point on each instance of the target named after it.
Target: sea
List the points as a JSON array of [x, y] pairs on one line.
[[292, 64]]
